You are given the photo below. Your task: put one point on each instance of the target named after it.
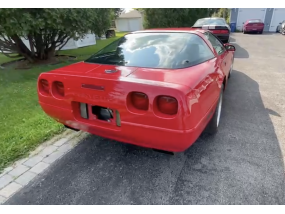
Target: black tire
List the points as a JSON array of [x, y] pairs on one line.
[[213, 125], [261, 32]]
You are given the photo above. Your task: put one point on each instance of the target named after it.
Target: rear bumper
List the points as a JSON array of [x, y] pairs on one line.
[[253, 29], [223, 37], [141, 135]]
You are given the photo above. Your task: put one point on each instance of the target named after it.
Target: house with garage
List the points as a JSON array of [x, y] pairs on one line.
[[270, 16], [130, 21]]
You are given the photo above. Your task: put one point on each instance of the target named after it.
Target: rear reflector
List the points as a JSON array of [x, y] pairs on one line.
[[140, 100], [167, 105], [118, 118], [83, 110]]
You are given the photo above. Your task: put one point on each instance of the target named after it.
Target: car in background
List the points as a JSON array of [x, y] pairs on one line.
[[253, 25], [158, 89], [217, 26], [281, 28]]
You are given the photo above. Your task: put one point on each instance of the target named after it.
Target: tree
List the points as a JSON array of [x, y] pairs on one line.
[[213, 11], [139, 9], [172, 17], [48, 29], [118, 11], [222, 12]]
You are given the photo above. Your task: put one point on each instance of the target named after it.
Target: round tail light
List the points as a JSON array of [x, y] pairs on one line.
[[140, 100], [167, 105]]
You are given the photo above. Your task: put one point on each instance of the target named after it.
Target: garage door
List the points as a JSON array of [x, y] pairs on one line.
[[135, 24], [245, 14], [123, 25], [277, 17]]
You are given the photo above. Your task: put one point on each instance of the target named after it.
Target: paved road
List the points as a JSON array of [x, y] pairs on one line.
[[242, 164]]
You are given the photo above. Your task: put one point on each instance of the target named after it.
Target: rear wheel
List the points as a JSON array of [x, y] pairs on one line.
[[213, 125], [261, 32], [231, 69]]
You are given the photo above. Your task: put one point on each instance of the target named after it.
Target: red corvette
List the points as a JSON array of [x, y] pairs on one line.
[[155, 88]]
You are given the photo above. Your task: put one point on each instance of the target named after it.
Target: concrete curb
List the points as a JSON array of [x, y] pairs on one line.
[[23, 171]]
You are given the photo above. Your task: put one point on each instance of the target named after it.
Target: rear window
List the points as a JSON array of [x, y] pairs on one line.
[[255, 21], [201, 22], [155, 50]]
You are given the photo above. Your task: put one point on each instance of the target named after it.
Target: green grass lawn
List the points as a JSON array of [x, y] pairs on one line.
[[23, 123]]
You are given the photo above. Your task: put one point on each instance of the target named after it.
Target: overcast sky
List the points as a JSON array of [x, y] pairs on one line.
[[128, 9]]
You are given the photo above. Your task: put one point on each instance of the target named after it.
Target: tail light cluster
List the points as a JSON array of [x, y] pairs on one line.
[[219, 31], [163, 104], [255, 24], [56, 88], [44, 86]]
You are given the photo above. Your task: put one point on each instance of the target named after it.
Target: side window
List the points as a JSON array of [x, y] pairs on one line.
[[219, 47]]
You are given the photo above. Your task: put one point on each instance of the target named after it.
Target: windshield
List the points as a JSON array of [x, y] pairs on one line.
[[201, 22], [155, 50]]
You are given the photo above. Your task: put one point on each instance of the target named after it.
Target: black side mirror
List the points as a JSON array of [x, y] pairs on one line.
[[280, 23], [230, 47]]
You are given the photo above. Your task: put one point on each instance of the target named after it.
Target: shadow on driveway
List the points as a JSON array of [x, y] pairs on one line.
[[240, 51], [242, 164]]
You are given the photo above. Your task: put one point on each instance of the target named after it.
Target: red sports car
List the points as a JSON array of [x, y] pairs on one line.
[[253, 25], [154, 88]]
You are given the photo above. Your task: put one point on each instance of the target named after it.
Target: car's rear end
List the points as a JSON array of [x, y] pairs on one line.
[[217, 26], [138, 93], [116, 107], [254, 25]]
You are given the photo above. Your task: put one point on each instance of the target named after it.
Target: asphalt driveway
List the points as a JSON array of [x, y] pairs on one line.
[[242, 164]]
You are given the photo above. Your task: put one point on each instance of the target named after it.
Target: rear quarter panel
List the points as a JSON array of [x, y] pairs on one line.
[[202, 99]]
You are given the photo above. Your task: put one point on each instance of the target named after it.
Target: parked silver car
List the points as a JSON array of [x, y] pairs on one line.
[[281, 28]]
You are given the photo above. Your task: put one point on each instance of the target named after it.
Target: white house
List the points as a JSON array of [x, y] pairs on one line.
[[89, 39], [130, 21]]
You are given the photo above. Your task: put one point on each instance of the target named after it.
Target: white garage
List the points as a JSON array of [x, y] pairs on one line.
[[245, 14], [270, 16], [277, 17], [128, 22]]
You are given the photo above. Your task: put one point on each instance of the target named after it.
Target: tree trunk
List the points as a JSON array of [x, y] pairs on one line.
[[22, 49], [51, 51], [31, 45]]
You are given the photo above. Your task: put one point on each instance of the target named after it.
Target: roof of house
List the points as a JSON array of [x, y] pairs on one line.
[[131, 14]]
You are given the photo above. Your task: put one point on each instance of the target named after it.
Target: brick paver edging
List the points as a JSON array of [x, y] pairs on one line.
[[16, 176]]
